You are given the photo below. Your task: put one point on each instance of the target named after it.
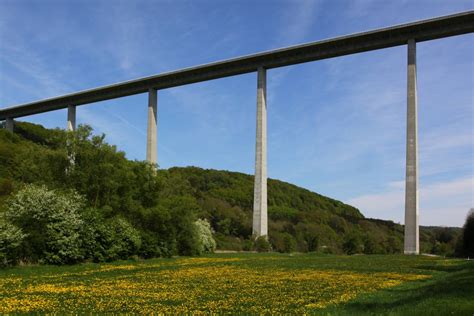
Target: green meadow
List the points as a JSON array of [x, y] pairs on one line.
[[246, 283]]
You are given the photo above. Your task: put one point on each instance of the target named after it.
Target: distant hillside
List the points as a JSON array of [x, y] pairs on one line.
[[299, 220]]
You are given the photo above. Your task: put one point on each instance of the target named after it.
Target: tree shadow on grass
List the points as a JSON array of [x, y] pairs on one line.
[[457, 284], [447, 268]]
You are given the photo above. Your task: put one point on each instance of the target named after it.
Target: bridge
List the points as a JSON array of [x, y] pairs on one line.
[[405, 34]]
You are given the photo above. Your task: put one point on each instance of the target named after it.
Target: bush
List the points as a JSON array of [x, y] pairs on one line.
[[371, 246], [393, 245], [232, 243], [352, 244], [204, 232], [262, 244], [289, 242], [51, 222], [440, 248], [283, 242], [152, 247], [184, 210], [11, 238], [94, 235], [123, 239]]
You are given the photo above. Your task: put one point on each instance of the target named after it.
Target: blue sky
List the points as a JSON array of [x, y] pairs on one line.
[[336, 126]]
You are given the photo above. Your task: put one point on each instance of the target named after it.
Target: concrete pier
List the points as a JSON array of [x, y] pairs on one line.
[[260, 225], [9, 124], [151, 149], [71, 118], [411, 185]]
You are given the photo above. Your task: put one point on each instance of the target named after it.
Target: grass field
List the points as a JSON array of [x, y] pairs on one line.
[[247, 283]]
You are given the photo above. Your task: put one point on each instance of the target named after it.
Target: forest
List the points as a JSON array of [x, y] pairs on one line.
[[68, 197]]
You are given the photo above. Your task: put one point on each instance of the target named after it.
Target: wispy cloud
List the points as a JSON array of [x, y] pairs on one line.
[[440, 202], [114, 127], [32, 67]]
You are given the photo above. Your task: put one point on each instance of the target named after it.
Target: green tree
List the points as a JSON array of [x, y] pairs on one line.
[[204, 232], [289, 243], [11, 238], [468, 235], [393, 245], [123, 239], [371, 246], [51, 221], [353, 244]]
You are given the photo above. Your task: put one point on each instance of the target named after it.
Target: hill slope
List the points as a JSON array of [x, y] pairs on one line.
[[298, 219]]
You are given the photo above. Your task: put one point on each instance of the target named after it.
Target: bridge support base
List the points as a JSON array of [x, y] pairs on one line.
[[411, 181], [151, 148], [260, 225]]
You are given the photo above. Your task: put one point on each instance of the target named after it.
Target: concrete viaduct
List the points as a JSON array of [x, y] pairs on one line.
[[406, 34]]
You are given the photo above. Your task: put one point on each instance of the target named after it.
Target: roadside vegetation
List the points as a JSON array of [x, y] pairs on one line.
[[71, 197]]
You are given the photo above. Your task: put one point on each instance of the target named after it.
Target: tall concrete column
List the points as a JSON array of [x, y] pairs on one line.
[[71, 118], [151, 150], [260, 225], [9, 124], [411, 185]]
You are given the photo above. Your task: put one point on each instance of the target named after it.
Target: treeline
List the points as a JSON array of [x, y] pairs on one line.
[[128, 208], [65, 198]]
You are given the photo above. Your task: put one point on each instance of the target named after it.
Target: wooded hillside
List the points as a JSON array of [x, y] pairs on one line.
[[157, 209]]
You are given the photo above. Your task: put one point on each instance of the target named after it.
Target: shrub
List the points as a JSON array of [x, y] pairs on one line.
[[371, 246], [352, 244], [283, 242], [94, 235], [51, 222], [440, 248], [289, 243], [262, 244], [152, 247], [11, 238], [123, 239], [204, 231], [183, 232], [393, 245], [231, 243], [307, 236]]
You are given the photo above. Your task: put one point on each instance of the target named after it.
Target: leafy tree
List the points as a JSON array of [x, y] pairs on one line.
[[393, 245], [51, 221], [468, 235], [371, 246], [440, 248], [289, 242], [353, 244], [123, 240], [204, 232], [11, 238]]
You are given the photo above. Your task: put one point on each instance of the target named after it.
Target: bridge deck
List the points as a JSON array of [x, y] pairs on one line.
[[457, 24]]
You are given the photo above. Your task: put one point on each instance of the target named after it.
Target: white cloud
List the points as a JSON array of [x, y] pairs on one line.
[[444, 203]]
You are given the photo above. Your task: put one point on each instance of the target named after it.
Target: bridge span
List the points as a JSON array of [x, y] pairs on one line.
[[406, 34]]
